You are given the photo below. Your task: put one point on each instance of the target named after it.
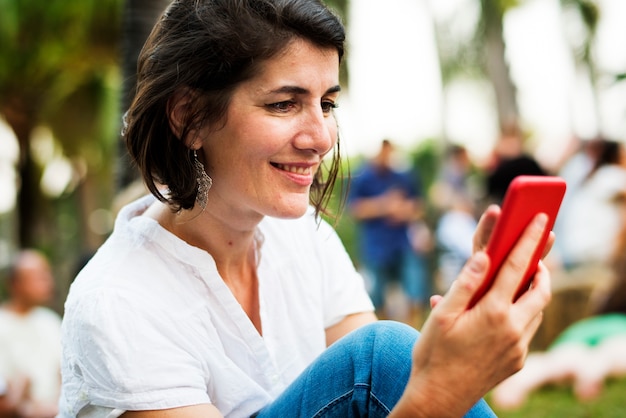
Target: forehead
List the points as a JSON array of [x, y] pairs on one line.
[[30, 262], [300, 62]]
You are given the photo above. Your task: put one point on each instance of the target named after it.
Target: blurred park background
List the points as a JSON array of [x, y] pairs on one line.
[[426, 74]]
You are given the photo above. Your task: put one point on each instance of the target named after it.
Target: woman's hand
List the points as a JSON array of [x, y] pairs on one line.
[[463, 353], [485, 226]]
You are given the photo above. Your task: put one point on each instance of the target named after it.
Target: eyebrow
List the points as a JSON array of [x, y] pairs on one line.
[[301, 90]]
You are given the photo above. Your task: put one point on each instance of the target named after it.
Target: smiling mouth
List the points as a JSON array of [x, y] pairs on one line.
[[293, 169]]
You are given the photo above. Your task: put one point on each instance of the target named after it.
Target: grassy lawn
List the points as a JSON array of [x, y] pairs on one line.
[[559, 401]]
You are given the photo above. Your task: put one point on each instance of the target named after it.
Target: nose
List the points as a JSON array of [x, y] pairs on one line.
[[318, 131]]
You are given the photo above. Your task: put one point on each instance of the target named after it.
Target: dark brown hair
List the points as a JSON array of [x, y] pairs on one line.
[[210, 47], [605, 152]]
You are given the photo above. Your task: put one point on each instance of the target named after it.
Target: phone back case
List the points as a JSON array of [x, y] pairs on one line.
[[526, 197]]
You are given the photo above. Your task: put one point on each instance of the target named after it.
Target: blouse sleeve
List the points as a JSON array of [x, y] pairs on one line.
[[127, 356], [344, 287]]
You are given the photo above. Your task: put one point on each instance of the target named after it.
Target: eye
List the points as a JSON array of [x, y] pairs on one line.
[[328, 106], [282, 107]]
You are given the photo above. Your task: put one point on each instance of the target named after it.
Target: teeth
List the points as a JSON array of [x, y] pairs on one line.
[[293, 169]]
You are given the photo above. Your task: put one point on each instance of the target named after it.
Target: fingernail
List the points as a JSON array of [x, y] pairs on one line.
[[478, 262], [541, 221]]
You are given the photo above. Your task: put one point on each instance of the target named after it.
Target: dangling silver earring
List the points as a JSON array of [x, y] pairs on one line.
[[204, 182]]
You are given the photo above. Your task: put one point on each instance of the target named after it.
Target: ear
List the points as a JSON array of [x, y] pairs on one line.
[[180, 106]]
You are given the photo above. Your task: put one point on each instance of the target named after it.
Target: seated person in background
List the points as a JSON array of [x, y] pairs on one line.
[[589, 221], [454, 194], [454, 234], [12, 393], [30, 341], [587, 352], [7, 405]]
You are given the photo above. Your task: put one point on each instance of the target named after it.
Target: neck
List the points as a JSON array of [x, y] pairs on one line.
[[19, 307], [233, 246]]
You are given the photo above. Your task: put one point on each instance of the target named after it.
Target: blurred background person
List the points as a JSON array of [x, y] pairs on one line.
[[386, 203], [12, 393], [509, 160], [453, 234], [589, 220], [7, 406], [30, 347], [576, 165], [457, 176], [454, 195]]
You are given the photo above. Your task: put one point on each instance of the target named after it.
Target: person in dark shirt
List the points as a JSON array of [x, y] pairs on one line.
[[510, 161]]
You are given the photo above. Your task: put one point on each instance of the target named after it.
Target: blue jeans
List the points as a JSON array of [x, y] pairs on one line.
[[410, 268], [361, 375]]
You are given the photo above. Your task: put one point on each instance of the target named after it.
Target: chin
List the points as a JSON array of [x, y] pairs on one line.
[[290, 210]]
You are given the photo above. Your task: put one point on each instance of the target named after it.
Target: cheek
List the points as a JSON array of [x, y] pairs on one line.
[[333, 130], [242, 160], [45, 285], [262, 136]]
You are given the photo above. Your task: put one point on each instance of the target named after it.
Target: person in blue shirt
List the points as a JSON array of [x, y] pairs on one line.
[[386, 202]]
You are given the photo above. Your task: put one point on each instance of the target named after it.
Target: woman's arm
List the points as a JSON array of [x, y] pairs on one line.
[[195, 411], [349, 323]]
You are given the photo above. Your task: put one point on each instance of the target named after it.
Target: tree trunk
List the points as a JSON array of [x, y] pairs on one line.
[[20, 116], [138, 20], [496, 65]]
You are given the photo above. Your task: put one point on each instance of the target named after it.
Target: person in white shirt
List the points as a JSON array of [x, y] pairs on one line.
[[224, 293], [30, 337], [590, 219]]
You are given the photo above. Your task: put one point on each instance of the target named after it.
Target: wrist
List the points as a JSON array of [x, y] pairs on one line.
[[411, 406], [423, 398]]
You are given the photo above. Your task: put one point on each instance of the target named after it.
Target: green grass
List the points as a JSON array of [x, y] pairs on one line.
[[559, 401]]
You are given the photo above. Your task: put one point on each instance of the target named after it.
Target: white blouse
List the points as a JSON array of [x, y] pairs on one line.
[[150, 324]]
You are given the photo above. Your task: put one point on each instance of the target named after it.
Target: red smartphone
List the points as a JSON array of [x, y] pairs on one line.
[[525, 197]]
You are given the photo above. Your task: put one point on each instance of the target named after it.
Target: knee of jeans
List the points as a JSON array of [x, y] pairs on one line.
[[388, 346], [384, 333]]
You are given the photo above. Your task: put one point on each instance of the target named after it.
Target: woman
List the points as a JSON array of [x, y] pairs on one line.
[[219, 294]]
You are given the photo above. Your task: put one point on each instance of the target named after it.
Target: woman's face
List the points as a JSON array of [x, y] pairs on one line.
[[279, 126], [34, 283]]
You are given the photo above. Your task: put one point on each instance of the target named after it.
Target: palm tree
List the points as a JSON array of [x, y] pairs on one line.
[[589, 14], [480, 56], [49, 51], [495, 64]]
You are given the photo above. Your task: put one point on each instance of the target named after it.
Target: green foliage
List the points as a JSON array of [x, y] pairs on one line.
[[44, 45], [58, 59], [59, 69], [505, 5], [340, 6], [340, 218], [589, 12], [427, 160]]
